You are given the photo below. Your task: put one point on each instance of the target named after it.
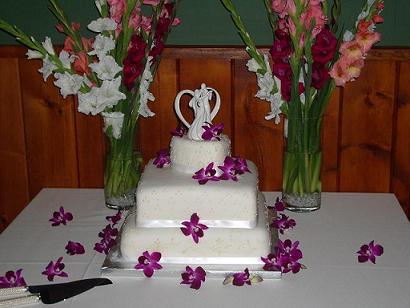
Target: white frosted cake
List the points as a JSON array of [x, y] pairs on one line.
[[228, 203]]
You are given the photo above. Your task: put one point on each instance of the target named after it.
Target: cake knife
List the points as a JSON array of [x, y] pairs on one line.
[[49, 293]]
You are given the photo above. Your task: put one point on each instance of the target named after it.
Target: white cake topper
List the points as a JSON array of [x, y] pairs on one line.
[[202, 110]]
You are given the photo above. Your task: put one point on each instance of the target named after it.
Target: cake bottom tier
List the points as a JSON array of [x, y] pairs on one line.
[[217, 246]]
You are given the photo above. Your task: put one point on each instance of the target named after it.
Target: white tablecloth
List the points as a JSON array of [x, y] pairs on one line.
[[329, 239]]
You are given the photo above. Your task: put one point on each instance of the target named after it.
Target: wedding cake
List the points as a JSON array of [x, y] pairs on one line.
[[201, 206]]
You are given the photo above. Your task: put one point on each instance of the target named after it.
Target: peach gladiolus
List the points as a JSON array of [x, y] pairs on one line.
[[354, 68], [339, 73], [367, 39], [351, 49]]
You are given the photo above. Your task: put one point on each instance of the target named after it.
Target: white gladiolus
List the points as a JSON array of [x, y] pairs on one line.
[[102, 45], [68, 83], [99, 4], [98, 99], [145, 94], [106, 69], [252, 65], [348, 36], [265, 83], [114, 120], [34, 54], [66, 59], [102, 24], [48, 68], [48, 45]]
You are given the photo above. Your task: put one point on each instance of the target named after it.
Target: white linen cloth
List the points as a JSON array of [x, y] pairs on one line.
[[329, 239]]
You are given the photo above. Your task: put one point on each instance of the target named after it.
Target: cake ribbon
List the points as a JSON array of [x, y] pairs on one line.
[[169, 223]]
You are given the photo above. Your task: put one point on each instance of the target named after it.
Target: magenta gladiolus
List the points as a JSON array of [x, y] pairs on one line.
[[149, 263], [12, 279]]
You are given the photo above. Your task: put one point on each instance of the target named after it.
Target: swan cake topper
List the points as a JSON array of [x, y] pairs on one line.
[[202, 110]]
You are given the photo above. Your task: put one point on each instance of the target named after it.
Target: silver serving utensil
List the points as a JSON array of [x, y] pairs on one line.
[[48, 294]]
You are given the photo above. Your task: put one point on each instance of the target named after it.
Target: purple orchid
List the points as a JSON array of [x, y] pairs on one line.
[[180, 131], [115, 218], [12, 279], [283, 223], [369, 252], [163, 158], [193, 277], [285, 258], [241, 166], [279, 205], [55, 269], [108, 241], [74, 248], [212, 132], [229, 171], [149, 263], [239, 279], [194, 228], [61, 217], [206, 174]]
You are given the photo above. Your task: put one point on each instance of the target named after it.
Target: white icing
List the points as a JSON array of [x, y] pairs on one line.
[[218, 245], [189, 156], [166, 194]]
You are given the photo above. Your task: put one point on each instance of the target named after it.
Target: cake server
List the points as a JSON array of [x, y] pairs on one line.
[[49, 293]]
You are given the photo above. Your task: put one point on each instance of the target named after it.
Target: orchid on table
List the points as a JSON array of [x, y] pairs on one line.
[[110, 74], [309, 57]]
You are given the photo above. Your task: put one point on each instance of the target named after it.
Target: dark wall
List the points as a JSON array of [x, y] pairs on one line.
[[204, 22]]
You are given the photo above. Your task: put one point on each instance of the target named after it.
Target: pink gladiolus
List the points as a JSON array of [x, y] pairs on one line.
[[280, 6], [135, 19], [117, 9], [69, 45], [314, 13], [81, 63], [367, 39]]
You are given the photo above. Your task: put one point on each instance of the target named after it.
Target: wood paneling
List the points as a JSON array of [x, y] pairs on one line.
[[13, 168], [367, 125], [45, 142]]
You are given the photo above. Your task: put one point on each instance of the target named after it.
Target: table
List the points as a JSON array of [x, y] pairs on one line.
[[329, 239]]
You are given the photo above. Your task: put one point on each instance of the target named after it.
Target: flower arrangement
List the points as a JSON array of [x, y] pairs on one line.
[[110, 74], [310, 56]]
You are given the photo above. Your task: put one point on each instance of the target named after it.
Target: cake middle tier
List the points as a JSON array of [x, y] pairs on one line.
[[217, 246], [166, 197]]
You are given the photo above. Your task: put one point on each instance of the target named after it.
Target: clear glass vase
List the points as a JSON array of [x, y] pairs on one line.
[[302, 162], [121, 177]]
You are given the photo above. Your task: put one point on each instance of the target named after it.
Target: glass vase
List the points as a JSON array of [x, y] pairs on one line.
[[121, 177], [302, 162]]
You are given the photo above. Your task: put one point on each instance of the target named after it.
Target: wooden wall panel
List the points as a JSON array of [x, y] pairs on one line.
[[401, 162], [13, 169], [367, 125], [256, 138], [49, 130]]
